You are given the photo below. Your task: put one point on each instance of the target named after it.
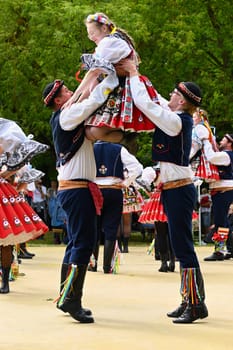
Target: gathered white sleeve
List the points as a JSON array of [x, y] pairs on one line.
[[216, 158], [200, 132], [166, 120], [148, 174], [132, 165], [194, 149], [78, 112], [112, 49]]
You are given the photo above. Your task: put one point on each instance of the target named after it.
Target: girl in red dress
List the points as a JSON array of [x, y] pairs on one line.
[[119, 113], [18, 224]]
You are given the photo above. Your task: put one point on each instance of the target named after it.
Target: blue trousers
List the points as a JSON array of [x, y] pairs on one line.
[[179, 205], [111, 213], [221, 203], [81, 224]]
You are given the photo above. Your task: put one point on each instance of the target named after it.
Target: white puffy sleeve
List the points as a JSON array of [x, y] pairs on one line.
[[112, 49]]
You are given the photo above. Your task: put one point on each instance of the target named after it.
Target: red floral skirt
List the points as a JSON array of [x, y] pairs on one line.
[[18, 221], [206, 170], [119, 111], [153, 210]]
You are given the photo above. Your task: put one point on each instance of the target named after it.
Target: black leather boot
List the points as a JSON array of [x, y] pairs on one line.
[[23, 250], [216, 256], [192, 313], [5, 280], [125, 244], [108, 254], [164, 265], [172, 259], [119, 241], [196, 307], [72, 303], [178, 311], [228, 256]]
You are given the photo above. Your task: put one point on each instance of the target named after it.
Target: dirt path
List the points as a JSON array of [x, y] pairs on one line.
[[129, 308]]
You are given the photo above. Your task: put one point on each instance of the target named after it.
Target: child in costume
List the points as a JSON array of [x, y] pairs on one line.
[[132, 203], [119, 113], [202, 168]]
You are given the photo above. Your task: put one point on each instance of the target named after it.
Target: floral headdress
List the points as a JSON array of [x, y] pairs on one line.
[[101, 19]]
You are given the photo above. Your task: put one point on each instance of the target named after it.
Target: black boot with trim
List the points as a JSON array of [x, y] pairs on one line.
[[5, 280], [71, 293], [192, 284]]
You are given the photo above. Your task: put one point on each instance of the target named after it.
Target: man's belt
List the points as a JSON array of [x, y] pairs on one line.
[[69, 184], [177, 183], [113, 186], [93, 188]]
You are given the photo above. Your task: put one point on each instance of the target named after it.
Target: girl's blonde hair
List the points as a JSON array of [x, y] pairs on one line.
[[101, 18]]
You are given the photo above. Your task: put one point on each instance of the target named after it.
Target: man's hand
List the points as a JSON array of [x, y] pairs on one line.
[[126, 67]]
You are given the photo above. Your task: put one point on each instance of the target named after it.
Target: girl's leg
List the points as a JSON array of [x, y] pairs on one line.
[[104, 133], [127, 222], [6, 260]]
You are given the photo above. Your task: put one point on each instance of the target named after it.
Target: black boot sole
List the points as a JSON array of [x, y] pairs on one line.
[[82, 317], [190, 317], [71, 309]]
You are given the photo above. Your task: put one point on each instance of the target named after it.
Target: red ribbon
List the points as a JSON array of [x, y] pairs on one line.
[[77, 76], [97, 197]]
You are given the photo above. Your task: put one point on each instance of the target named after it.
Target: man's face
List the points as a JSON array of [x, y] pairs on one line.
[[176, 100], [224, 144], [64, 95]]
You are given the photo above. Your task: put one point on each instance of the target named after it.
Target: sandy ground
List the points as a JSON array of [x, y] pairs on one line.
[[129, 308]]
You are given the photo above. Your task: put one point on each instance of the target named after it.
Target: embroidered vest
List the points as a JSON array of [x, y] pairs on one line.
[[108, 159], [66, 142], [174, 149], [226, 172]]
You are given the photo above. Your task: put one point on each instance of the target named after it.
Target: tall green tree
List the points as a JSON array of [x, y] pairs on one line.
[[41, 40]]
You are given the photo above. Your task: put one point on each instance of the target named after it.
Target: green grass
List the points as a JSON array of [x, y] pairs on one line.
[[48, 239], [136, 239]]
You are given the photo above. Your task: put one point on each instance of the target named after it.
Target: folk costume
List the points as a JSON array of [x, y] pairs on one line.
[[78, 195], [119, 110], [21, 218], [18, 148], [18, 224], [222, 196], [111, 161], [202, 168], [171, 147]]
